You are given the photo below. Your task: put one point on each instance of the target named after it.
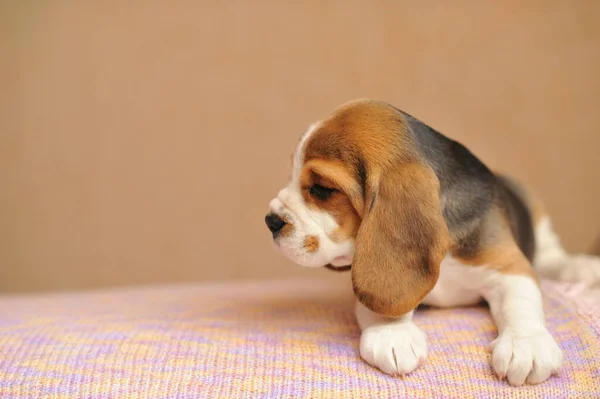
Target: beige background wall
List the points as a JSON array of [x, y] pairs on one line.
[[140, 142]]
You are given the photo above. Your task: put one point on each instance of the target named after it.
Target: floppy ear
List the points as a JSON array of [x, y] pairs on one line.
[[401, 241]]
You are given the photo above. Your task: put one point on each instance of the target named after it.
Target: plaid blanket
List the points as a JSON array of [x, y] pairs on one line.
[[281, 339]]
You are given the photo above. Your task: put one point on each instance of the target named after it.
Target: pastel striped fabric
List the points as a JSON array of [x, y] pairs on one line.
[[294, 339]]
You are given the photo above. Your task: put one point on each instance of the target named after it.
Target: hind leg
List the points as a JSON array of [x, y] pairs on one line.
[[553, 262]]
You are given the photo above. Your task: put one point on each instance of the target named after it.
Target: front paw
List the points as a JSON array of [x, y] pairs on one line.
[[526, 356], [394, 349]]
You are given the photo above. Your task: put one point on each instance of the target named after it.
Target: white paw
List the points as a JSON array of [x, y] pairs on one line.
[[394, 349], [526, 356], [581, 268]]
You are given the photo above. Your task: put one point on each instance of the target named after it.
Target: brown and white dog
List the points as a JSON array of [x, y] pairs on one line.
[[419, 219]]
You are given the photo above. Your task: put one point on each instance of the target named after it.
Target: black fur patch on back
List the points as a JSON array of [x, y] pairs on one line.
[[468, 191], [466, 184]]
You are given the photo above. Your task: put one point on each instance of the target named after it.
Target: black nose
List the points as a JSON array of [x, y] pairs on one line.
[[274, 223]]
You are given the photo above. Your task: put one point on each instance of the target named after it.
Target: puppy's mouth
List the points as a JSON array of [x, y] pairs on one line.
[[338, 268]]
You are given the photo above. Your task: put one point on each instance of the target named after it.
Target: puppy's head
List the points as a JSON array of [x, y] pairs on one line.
[[361, 195]]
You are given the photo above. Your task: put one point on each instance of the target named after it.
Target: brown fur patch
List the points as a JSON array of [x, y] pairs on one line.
[[362, 129], [342, 204], [287, 229], [311, 244], [505, 258], [496, 248]]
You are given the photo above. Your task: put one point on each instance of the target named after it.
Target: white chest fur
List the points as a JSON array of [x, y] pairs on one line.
[[458, 284]]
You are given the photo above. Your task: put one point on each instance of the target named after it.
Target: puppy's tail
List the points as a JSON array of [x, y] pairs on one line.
[[552, 261]]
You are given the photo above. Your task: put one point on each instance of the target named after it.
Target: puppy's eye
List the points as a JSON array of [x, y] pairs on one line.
[[320, 192]]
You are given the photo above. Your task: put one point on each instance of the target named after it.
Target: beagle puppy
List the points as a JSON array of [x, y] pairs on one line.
[[418, 219]]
